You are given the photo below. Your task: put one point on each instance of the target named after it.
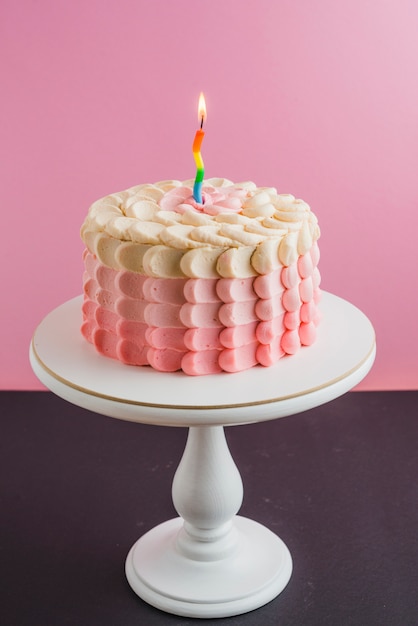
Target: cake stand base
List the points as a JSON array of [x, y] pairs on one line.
[[256, 572], [208, 562]]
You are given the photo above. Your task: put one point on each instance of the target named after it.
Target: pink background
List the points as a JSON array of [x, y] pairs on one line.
[[318, 98]]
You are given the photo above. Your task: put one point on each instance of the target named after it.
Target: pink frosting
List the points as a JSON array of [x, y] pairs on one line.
[[267, 331], [235, 289], [200, 363], [215, 200], [238, 359], [161, 338], [238, 336], [268, 355], [201, 326], [201, 339], [201, 290]]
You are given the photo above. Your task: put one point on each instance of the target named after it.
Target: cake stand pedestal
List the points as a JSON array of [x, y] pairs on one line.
[[209, 562]]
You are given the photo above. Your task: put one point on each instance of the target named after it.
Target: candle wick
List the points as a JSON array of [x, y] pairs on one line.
[[201, 123]]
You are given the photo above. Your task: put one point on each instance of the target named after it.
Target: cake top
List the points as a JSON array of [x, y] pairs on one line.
[[239, 230]]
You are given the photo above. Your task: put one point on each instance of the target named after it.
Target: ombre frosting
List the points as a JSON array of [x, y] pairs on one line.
[[219, 286]]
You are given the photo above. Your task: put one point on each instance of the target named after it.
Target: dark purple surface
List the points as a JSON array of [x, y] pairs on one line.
[[338, 484]]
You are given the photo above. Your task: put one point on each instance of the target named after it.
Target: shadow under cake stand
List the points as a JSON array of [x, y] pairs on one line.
[[208, 562]]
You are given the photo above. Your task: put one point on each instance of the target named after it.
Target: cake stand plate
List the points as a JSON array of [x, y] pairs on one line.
[[209, 562]]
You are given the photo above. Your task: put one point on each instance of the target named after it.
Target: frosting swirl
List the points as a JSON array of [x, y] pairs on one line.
[[239, 230], [215, 199]]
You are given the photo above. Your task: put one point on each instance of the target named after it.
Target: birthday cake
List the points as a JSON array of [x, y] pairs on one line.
[[218, 286]]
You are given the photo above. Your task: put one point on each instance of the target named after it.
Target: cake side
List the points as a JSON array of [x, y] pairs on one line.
[[219, 287]]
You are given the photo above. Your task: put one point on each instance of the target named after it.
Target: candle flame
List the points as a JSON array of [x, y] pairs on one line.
[[201, 109]]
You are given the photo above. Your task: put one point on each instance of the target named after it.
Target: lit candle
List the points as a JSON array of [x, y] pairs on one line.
[[200, 172]]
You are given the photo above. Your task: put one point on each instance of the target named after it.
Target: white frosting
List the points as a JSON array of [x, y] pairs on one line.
[[239, 231]]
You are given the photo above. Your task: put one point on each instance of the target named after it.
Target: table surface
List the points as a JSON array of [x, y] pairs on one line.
[[337, 483]]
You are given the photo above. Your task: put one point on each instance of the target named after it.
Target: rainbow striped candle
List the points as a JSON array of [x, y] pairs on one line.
[[200, 171]]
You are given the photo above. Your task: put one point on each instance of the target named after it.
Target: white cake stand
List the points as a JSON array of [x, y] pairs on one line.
[[209, 562]]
